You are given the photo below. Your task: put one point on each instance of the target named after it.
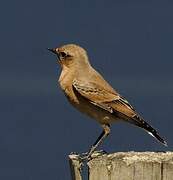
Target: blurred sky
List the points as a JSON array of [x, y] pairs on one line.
[[129, 42]]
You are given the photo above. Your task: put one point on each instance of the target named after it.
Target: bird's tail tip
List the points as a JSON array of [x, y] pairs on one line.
[[150, 130], [158, 138], [165, 144]]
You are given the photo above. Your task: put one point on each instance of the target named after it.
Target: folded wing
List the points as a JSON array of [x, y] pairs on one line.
[[104, 98]]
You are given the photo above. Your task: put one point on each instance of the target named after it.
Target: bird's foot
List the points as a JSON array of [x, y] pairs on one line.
[[88, 156], [96, 154], [74, 153]]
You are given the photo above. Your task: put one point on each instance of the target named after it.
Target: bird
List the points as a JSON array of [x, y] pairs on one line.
[[87, 90]]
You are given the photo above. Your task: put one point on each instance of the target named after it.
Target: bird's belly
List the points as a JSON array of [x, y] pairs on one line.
[[93, 111], [85, 106]]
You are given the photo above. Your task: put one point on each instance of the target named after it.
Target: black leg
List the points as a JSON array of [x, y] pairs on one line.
[[103, 135]]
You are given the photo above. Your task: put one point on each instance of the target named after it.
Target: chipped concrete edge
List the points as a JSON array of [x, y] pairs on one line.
[[75, 167]]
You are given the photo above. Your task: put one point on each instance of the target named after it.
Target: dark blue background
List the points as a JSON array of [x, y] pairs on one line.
[[130, 42]]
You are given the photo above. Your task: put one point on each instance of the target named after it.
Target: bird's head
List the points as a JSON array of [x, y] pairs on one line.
[[71, 55]]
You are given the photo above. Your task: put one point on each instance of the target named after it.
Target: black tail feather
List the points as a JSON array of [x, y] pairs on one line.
[[138, 121]]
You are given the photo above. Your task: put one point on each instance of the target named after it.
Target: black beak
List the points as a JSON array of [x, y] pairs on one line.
[[52, 50]]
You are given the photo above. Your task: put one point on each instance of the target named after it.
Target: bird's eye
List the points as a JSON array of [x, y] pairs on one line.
[[62, 54]]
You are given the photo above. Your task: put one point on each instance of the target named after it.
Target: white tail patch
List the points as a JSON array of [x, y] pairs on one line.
[[151, 134]]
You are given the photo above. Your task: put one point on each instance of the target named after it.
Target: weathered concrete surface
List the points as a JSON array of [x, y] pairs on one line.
[[125, 166], [132, 166]]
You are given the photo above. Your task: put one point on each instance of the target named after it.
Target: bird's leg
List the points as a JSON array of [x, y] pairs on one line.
[[103, 135]]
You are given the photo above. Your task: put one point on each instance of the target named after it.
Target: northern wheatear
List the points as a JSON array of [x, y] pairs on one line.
[[87, 90]]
